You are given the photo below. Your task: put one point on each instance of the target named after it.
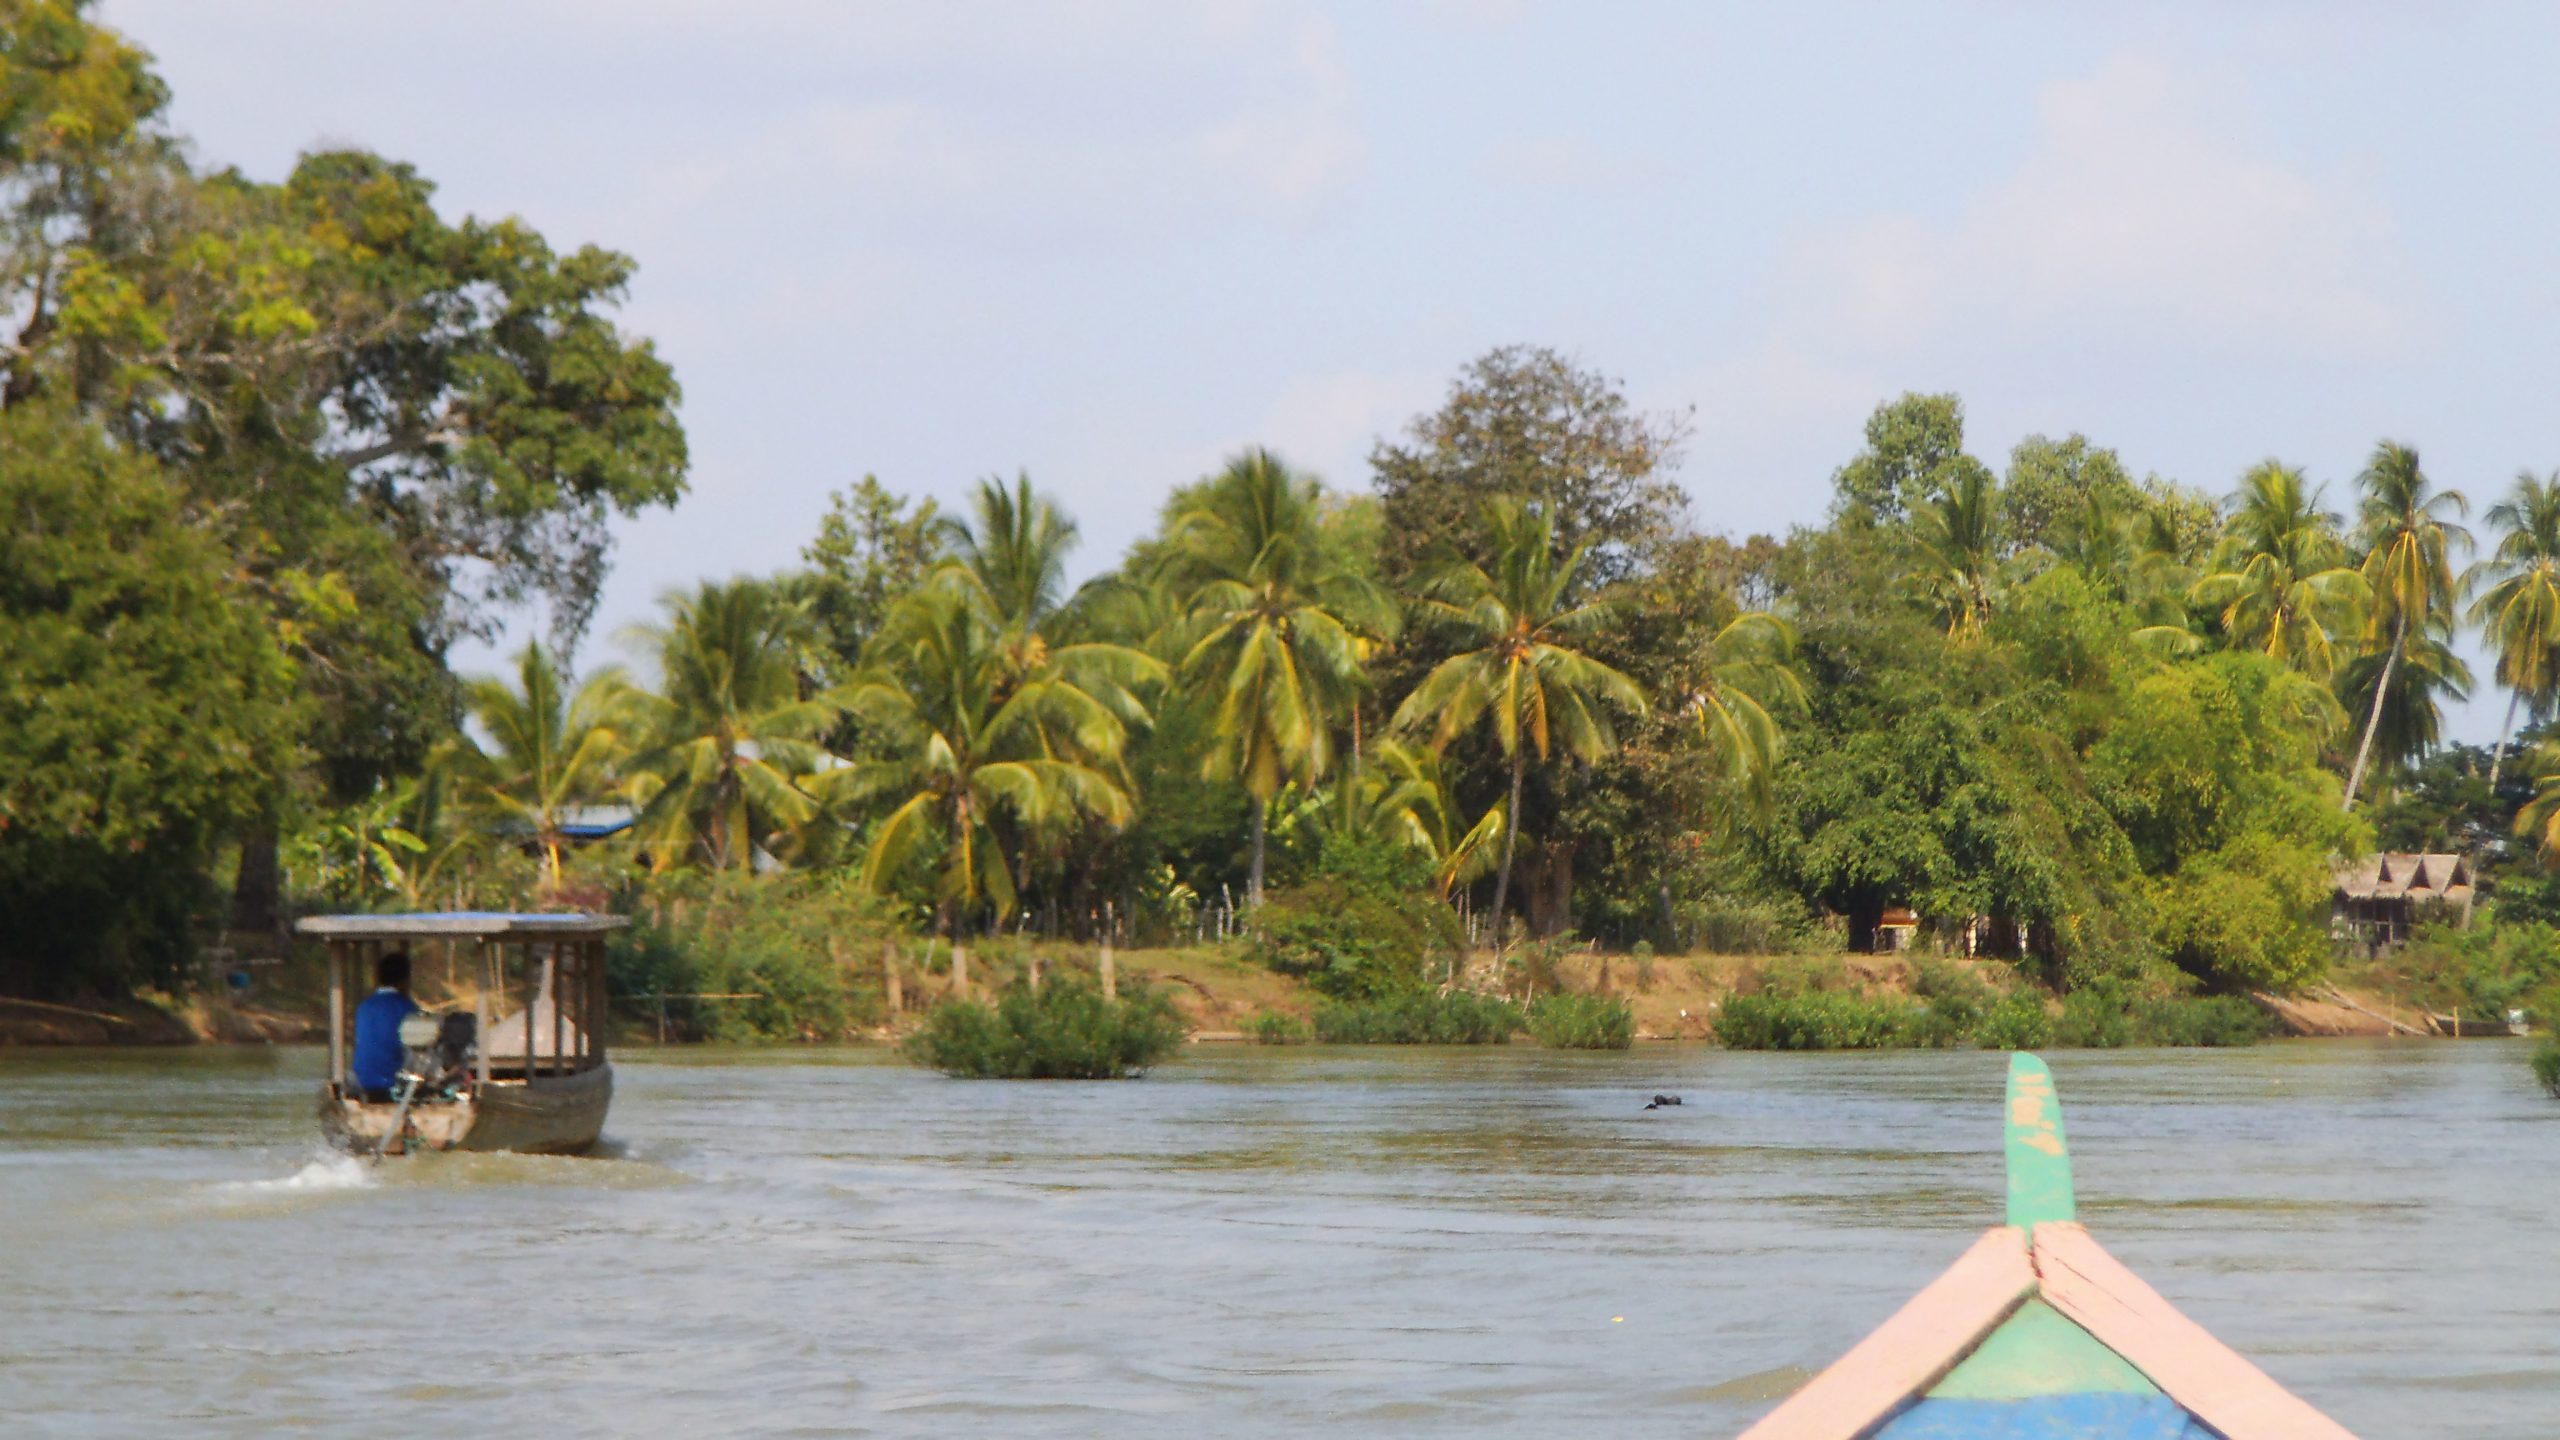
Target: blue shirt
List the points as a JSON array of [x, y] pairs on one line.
[[378, 1053]]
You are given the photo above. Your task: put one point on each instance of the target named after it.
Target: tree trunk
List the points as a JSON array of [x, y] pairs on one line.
[[1253, 881], [2373, 717], [1510, 834], [959, 968], [257, 897], [2498, 757], [1560, 878]]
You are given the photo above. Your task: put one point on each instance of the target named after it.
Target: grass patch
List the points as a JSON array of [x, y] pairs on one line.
[[1459, 1018], [1062, 1031], [1582, 1022], [2546, 1065]]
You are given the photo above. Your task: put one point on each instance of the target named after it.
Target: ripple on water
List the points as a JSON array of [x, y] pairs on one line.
[[1246, 1244]]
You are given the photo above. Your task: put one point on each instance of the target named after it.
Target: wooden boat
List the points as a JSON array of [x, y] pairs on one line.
[[2037, 1332], [534, 1081]]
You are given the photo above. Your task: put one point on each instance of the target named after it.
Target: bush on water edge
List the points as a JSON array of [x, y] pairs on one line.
[[1582, 1022], [2546, 1066], [1834, 1020], [1461, 1017], [1061, 1031], [1278, 1027]]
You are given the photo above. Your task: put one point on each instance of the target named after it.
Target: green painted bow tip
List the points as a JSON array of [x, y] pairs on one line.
[[2039, 1162]]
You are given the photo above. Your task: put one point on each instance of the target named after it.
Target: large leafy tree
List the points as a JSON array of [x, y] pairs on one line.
[[2051, 483], [726, 747], [144, 700], [1521, 663], [550, 751], [2280, 583], [1914, 456], [1527, 422], [2410, 538], [872, 547], [2519, 607], [1276, 632], [400, 425]]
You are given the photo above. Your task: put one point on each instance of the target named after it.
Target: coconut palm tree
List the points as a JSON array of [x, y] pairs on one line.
[[1277, 631], [1749, 665], [1404, 795], [961, 740], [549, 753], [2520, 608], [2410, 717], [2280, 583], [2539, 820], [2409, 542], [1959, 541], [1522, 667], [728, 743], [1014, 549]]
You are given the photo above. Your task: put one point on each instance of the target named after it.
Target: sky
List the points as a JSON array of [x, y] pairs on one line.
[[1110, 243]]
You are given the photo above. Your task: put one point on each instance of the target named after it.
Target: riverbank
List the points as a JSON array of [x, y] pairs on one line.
[[1218, 992]]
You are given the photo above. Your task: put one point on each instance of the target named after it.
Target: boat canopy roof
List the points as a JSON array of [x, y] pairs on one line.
[[451, 924]]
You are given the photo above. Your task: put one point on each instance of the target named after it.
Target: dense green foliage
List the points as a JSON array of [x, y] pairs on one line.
[[1059, 1031], [2546, 1066], [144, 702], [1839, 1020], [788, 957], [272, 446], [1461, 1017], [1582, 1022]]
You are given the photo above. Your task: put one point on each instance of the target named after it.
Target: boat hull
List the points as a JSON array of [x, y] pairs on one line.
[[557, 1115]]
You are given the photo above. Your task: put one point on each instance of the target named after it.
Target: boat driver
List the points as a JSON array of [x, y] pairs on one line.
[[375, 1066]]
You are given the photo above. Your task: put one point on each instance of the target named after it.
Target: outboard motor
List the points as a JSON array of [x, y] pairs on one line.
[[439, 1048]]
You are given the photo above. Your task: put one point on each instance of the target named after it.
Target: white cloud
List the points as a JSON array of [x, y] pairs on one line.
[[2136, 212]]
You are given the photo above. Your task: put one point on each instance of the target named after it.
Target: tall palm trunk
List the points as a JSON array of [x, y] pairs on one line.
[[1253, 877], [2373, 717], [1510, 834], [2498, 757]]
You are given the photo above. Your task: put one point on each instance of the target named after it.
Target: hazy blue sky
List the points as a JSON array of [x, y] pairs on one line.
[[1109, 243]]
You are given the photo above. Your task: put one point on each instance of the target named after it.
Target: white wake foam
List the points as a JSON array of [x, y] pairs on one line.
[[330, 1172]]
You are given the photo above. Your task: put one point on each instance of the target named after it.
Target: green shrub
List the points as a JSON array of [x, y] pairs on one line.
[[2546, 1066], [2107, 1019], [1354, 942], [1459, 1018], [1278, 1027], [1582, 1022], [1063, 1031], [772, 941], [1821, 1020], [2015, 1022], [2485, 971]]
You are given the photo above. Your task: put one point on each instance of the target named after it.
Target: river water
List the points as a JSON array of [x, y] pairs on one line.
[[1250, 1242]]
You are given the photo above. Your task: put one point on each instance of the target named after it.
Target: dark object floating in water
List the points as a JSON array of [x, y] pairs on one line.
[[2037, 1331], [1658, 1101]]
